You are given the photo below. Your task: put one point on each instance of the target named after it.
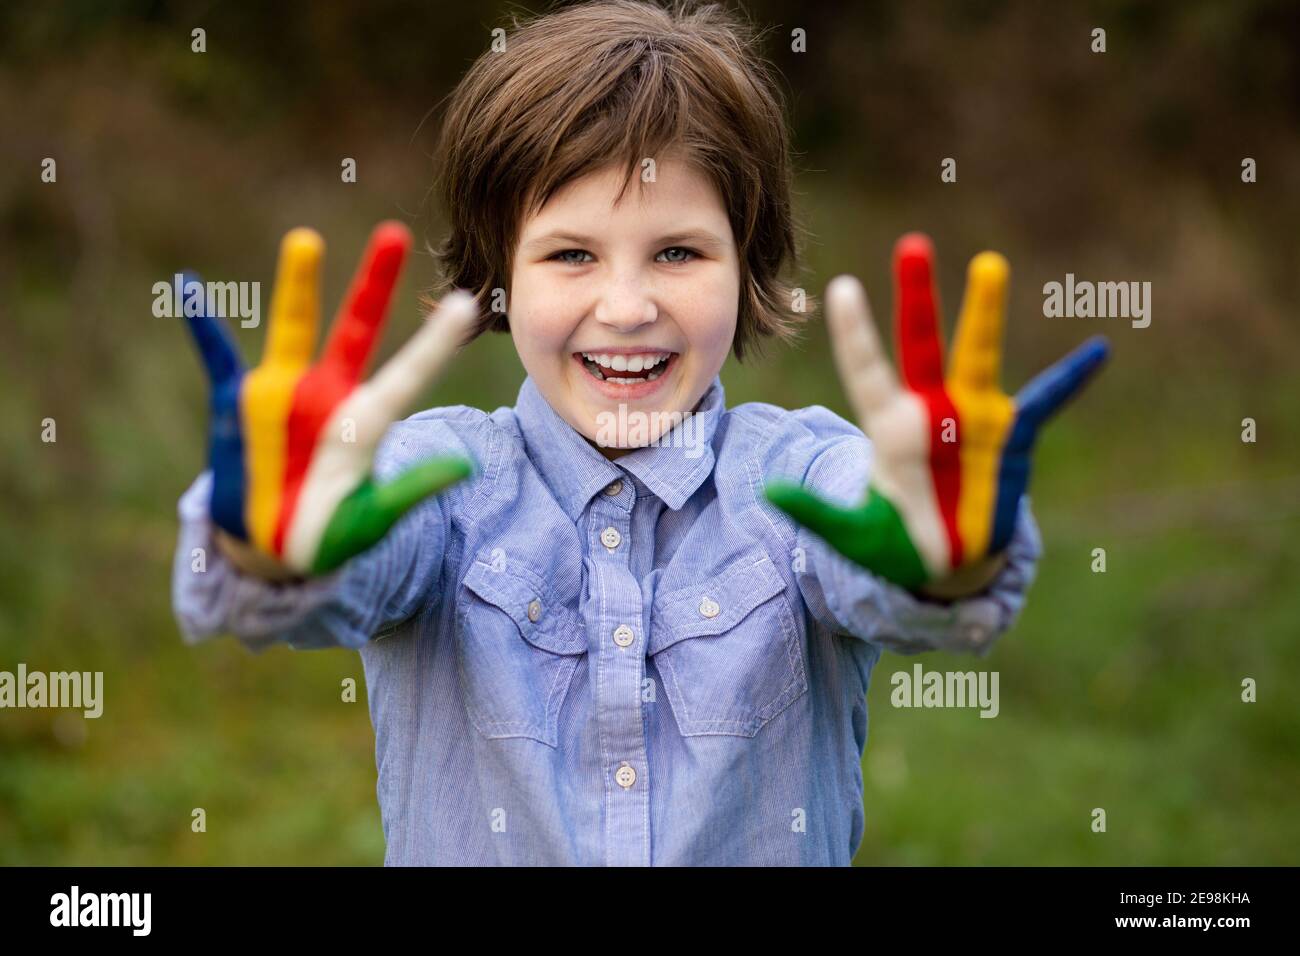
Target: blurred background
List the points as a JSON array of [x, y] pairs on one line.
[[1119, 690]]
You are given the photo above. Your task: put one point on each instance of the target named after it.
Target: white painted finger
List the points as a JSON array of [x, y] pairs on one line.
[[900, 470], [868, 379], [420, 361], [346, 446]]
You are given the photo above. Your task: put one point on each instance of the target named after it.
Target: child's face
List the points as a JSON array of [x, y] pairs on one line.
[[655, 275]]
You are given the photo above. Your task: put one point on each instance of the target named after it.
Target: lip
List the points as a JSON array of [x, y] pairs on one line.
[[624, 350], [625, 392]]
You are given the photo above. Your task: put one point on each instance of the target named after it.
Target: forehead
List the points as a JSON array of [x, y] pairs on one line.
[[679, 193]]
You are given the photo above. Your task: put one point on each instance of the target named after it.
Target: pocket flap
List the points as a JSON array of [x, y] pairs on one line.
[[513, 590], [714, 606]]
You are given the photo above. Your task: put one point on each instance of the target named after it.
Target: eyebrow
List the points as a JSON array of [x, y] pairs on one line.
[[699, 237]]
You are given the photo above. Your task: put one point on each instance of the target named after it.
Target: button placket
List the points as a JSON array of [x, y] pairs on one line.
[[610, 517], [619, 671]]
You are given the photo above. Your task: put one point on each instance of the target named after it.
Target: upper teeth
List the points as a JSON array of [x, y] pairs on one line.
[[627, 363]]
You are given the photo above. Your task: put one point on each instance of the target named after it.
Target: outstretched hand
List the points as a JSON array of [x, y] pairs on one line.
[[291, 443], [951, 456]]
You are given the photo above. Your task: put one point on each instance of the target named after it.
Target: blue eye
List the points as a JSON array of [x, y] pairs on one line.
[[683, 255], [565, 252], [689, 252]]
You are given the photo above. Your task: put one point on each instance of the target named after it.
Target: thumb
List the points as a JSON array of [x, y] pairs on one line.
[[395, 498], [806, 508], [364, 516], [872, 536]]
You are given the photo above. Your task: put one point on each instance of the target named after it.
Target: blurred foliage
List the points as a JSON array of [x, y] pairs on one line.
[[1119, 690]]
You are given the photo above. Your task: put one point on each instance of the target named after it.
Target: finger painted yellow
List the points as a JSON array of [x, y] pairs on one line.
[[267, 391], [986, 414]]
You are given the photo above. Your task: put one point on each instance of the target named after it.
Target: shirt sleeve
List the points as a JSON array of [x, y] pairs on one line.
[[368, 595], [850, 599]]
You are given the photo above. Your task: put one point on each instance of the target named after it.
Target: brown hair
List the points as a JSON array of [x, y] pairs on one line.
[[610, 81]]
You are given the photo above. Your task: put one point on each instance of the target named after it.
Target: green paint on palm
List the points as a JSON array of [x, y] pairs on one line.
[[365, 515], [872, 535]]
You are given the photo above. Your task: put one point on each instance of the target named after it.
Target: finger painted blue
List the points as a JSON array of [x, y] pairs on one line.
[[1038, 401], [225, 438], [1050, 389]]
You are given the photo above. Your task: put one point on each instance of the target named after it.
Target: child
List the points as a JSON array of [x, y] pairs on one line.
[[621, 624]]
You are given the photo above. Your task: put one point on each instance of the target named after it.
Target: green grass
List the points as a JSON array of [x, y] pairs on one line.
[[1120, 691]]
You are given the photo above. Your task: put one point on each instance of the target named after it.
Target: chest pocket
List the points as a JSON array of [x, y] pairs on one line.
[[727, 649], [517, 648]]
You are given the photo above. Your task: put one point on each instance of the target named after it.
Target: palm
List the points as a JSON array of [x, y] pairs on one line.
[[950, 454], [291, 443]]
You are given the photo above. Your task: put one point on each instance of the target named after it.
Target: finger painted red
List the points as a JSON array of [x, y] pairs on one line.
[[357, 329], [352, 341], [916, 327]]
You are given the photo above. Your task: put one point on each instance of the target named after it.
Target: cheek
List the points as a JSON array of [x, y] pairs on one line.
[[539, 314], [709, 318]]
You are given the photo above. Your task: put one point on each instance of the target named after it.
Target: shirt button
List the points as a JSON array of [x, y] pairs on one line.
[[625, 775], [624, 636], [709, 607], [610, 538], [534, 610], [975, 635], [614, 487]]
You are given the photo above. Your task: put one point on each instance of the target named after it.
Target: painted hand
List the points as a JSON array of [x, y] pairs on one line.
[[951, 457], [290, 443]]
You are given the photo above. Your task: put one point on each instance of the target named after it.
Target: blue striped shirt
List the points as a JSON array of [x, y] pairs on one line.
[[576, 661]]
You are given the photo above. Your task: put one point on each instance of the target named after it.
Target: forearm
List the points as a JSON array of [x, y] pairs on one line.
[[211, 595]]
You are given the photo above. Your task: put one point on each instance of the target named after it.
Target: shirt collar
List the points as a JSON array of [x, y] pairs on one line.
[[673, 469]]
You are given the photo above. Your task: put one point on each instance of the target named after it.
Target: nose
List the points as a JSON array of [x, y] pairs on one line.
[[625, 305]]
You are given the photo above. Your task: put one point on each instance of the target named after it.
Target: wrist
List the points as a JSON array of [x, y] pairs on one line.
[[967, 580], [249, 560]]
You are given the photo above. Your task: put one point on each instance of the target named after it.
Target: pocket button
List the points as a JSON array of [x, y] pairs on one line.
[[728, 668], [517, 647]]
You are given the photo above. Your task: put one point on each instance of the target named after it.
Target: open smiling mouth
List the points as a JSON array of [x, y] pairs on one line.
[[626, 369]]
